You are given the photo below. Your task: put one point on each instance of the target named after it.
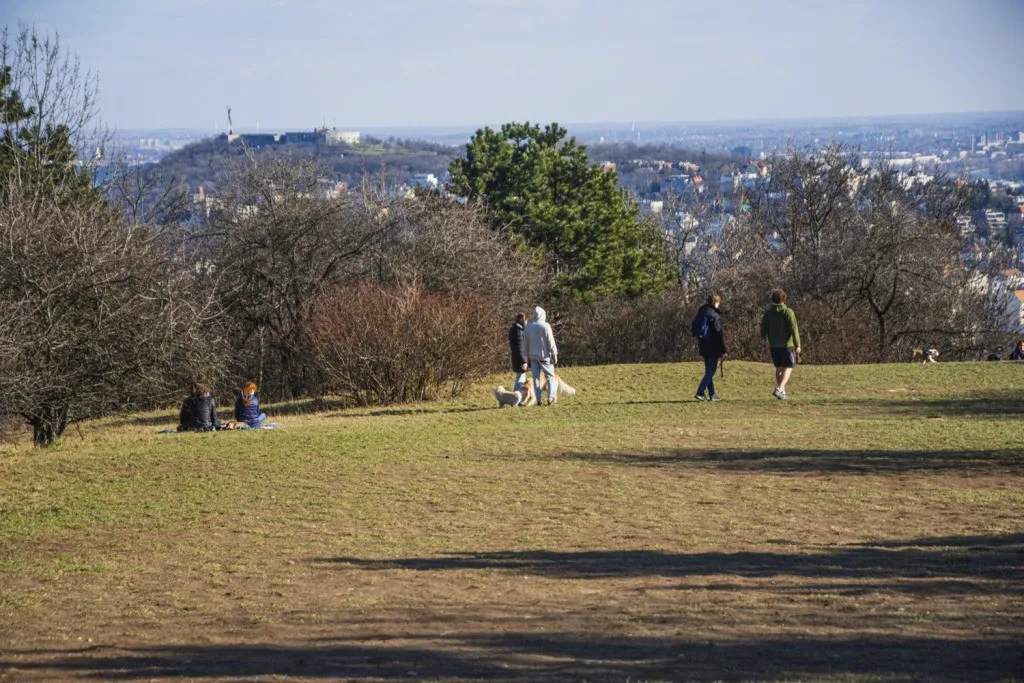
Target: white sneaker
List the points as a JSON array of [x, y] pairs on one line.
[[779, 394]]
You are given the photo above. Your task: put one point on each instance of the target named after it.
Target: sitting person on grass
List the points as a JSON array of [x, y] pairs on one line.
[[198, 411], [247, 407]]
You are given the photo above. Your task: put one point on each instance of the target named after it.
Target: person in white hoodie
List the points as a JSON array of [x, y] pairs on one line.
[[542, 353]]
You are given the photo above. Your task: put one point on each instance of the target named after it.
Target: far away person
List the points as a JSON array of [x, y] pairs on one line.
[[517, 349], [707, 328], [542, 354], [198, 411], [247, 407], [780, 334]]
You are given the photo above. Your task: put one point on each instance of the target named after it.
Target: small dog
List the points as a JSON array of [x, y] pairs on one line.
[[564, 389], [924, 356], [526, 396], [508, 398]]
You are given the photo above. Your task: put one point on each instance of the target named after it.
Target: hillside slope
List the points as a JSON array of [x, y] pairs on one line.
[[867, 529]]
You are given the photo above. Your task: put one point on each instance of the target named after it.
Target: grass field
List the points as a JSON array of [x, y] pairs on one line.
[[870, 528]]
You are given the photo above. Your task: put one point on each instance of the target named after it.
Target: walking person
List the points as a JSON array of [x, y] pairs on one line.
[[780, 334], [707, 328], [542, 352], [517, 349]]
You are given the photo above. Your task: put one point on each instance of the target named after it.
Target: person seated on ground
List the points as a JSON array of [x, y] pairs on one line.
[[247, 407], [997, 354], [1018, 351], [198, 411]]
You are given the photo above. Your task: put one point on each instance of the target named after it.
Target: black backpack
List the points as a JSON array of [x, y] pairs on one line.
[[701, 326]]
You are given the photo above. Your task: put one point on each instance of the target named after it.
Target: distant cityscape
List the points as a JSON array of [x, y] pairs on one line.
[[672, 162]]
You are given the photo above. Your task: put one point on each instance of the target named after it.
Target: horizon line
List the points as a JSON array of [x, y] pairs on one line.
[[691, 122]]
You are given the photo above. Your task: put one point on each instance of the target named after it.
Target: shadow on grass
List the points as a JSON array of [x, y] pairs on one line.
[[799, 461], [508, 655], [989, 405], [307, 407], [982, 564]]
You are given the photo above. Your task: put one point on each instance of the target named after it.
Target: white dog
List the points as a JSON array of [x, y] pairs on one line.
[[508, 398], [526, 396]]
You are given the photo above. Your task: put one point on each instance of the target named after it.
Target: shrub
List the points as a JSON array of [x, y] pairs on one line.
[[377, 345], [650, 329]]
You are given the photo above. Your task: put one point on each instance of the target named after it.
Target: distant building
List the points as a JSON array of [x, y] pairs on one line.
[[996, 221], [965, 225], [329, 136], [348, 137], [1015, 310], [310, 137], [424, 180]]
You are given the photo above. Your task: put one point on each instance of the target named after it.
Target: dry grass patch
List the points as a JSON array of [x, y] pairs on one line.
[[848, 534]]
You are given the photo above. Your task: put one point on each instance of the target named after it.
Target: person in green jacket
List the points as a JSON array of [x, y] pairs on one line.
[[780, 334]]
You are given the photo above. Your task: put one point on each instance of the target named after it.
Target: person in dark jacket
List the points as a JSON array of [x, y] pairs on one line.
[[247, 407], [198, 411], [517, 348], [1018, 351], [711, 347]]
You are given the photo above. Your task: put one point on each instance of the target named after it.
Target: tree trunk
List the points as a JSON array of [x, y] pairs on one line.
[[48, 425], [881, 339], [260, 362]]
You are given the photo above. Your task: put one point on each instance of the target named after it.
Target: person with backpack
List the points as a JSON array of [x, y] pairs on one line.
[[780, 334], [707, 328]]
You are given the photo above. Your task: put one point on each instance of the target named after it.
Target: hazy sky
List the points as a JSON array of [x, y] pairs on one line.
[[289, 63]]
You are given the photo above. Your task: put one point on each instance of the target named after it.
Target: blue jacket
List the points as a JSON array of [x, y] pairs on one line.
[[248, 414]]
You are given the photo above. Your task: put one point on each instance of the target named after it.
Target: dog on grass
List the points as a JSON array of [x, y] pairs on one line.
[[924, 356], [526, 396], [509, 398]]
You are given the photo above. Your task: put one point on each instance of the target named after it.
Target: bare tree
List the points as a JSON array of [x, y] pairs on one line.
[[870, 257], [98, 319], [51, 139], [277, 236]]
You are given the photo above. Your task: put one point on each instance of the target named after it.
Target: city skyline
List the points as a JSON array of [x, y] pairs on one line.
[[177, 63]]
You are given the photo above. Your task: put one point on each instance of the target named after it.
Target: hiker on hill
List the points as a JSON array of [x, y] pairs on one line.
[[517, 349], [779, 333], [542, 354], [198, 411], [707, 328], [247, 407]]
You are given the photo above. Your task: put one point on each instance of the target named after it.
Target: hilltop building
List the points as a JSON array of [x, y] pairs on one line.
[[317, 136]]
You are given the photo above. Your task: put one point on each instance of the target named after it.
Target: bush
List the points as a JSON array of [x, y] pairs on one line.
[[377, 345], [652, 329]]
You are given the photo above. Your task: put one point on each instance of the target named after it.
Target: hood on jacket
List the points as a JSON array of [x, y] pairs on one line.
[[539, 315]]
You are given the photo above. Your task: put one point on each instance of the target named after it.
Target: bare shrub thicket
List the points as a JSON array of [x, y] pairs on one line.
[[651, 329], [870, 260], [97, 319], [431, 312], [376, 345], [276, 239], [448, 248]]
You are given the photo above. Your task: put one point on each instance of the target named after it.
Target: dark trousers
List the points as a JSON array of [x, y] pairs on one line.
[[708, 383]]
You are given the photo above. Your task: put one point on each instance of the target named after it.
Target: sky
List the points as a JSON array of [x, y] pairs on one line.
[[290, 64]]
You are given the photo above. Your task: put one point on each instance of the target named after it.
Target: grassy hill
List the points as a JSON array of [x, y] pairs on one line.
[[870, 528], [209, 163]]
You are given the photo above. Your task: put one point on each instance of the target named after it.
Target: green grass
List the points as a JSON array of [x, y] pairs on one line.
[[845, 512]]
